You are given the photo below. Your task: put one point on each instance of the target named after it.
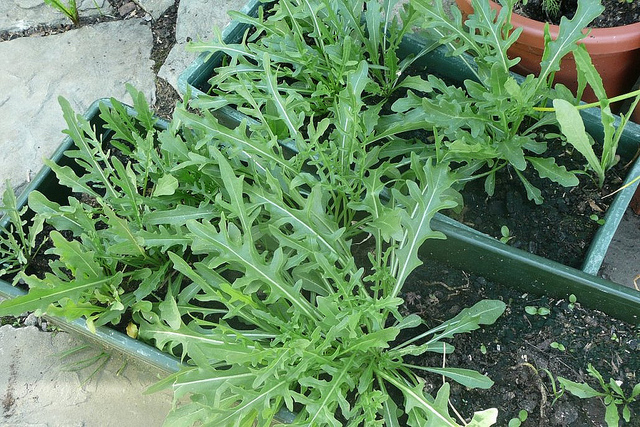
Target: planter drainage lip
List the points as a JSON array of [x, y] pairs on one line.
[[104, 336], [196, 76]]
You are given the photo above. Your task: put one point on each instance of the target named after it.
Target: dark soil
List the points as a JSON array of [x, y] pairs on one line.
[[515, 350], [616, 13], [560, 229]]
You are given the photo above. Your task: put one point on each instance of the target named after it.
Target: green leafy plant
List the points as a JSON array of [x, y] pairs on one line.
[[307, 48], [506, 236], [557, 346], [517, 422], [497, 119], [552, 7], [18, 243], [69, 9], [236, 255], [596, 219], [571, 124], [537, 311], [614, 397]]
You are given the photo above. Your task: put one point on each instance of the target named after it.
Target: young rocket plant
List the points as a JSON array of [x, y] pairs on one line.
[[611, 392], [237, 255], [496, 118], [307, 48]]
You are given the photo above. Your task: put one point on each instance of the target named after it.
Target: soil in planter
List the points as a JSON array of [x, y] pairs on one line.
[[616, 12], [518, 344], [560, 229]]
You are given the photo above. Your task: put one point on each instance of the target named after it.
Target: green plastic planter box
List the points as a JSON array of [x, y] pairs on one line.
[[468, 248]]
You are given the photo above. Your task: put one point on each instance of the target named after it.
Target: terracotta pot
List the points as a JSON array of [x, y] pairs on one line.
[[615, 53]]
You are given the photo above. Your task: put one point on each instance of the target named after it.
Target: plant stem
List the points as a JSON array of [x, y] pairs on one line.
[[595, 104]]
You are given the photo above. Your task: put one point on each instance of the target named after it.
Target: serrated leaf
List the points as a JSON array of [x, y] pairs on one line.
[[484, 312], [416, 83], [414, 396], [203, 346], [547, 168], [581, 390], [207, 238], [126, 241], [50, 290], [569, 33], [421, 205], [513, 153], [533, 193], [76, 257], [467, 377]]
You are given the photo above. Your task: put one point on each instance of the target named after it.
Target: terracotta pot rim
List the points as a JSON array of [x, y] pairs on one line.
[[599, 40]]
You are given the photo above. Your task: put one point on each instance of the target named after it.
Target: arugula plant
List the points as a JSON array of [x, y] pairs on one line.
[[317, 326], [104, 270], [494, 120], [307, 47], [18, 243], [238, 256], [614, 397]]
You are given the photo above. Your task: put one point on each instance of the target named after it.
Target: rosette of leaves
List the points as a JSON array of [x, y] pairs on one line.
[[310, 327], [237, 255], [311, 45], [495, 119]]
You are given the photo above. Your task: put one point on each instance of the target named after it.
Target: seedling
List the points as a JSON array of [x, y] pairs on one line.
[[18, 243], [551, 7], [522, 417], [537, 311], [558, 346], [572, 301], [613, 396], [506, 234], [596, 219], [483, 349]]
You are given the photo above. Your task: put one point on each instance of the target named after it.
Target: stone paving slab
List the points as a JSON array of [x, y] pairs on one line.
[[196, 21], [155, 8], [81, 65], [38, 387], [18, 15]]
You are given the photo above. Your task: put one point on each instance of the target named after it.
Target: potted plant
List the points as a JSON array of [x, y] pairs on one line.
[[615, 52]]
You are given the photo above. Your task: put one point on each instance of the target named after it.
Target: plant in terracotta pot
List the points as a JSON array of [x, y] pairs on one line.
[[615, 51]]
